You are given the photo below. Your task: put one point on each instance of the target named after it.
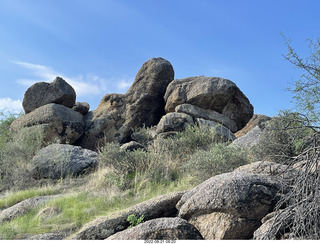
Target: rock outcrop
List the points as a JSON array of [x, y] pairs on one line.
[[117, 115], [160, 229], [103, 227], [229, 206], [43, 93], [58, 161]]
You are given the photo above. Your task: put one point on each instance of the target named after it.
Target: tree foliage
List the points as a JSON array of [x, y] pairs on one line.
[[306, 90], [299, 209]]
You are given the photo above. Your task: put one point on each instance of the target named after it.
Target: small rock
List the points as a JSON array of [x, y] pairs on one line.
[[83, 108], [132, 146]]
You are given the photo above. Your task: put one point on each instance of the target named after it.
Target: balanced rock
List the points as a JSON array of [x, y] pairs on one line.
[[58, 161], [160, 229], [42, 93], [217, 94], [230, 205], [56, 121]]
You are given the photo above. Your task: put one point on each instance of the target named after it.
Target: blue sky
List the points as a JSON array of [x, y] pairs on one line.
[[98, 46]]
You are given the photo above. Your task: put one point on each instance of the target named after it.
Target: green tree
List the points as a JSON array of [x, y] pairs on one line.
[[306, 90]]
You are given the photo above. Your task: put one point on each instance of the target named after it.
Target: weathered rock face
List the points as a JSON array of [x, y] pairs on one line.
[[249, 139], [256, 120], [43, 93], [232, 203], [145, 103], [103, 227], [217, 94], [81, 107], [207, 114], [23, 207], [57, 161], [160, 229], [104, 122], [117, 115], [174, 122], [57, 122], [224, 132]]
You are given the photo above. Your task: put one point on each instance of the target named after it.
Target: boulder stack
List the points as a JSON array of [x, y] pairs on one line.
[[154, 99]]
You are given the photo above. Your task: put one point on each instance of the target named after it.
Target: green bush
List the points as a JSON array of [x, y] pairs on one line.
[[219, 159], [134, 220], [16, 158], [284, 137]]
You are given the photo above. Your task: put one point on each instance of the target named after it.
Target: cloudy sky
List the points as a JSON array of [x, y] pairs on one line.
[[98, 46]]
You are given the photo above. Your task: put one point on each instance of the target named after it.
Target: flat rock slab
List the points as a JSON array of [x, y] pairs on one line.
[[160, 229], [22, 208]]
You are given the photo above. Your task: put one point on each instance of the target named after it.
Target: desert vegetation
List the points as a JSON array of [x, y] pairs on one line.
[[169, 162], [122, 179]]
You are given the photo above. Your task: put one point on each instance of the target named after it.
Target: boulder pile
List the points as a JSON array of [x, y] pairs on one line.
[[154, 99]]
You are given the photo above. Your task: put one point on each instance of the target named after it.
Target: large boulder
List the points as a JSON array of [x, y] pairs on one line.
[[103, 227], [230, 205], [118, 115], [160, 229], [42, 93], [217, 94], [174, 122], [58, 161], [145, 103], [57, 122]]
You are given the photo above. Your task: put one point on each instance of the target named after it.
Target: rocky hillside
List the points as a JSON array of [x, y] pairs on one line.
[[232, 203]]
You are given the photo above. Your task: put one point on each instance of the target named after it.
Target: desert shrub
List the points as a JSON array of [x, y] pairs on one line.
[[127, 167], [186, 142], [5, 123], [134, 220], [219, 159], [285, 136], [15, 158]]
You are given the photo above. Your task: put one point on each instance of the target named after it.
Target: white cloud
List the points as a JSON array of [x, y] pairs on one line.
[[7, 105], [89, 84], [124, 85]]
